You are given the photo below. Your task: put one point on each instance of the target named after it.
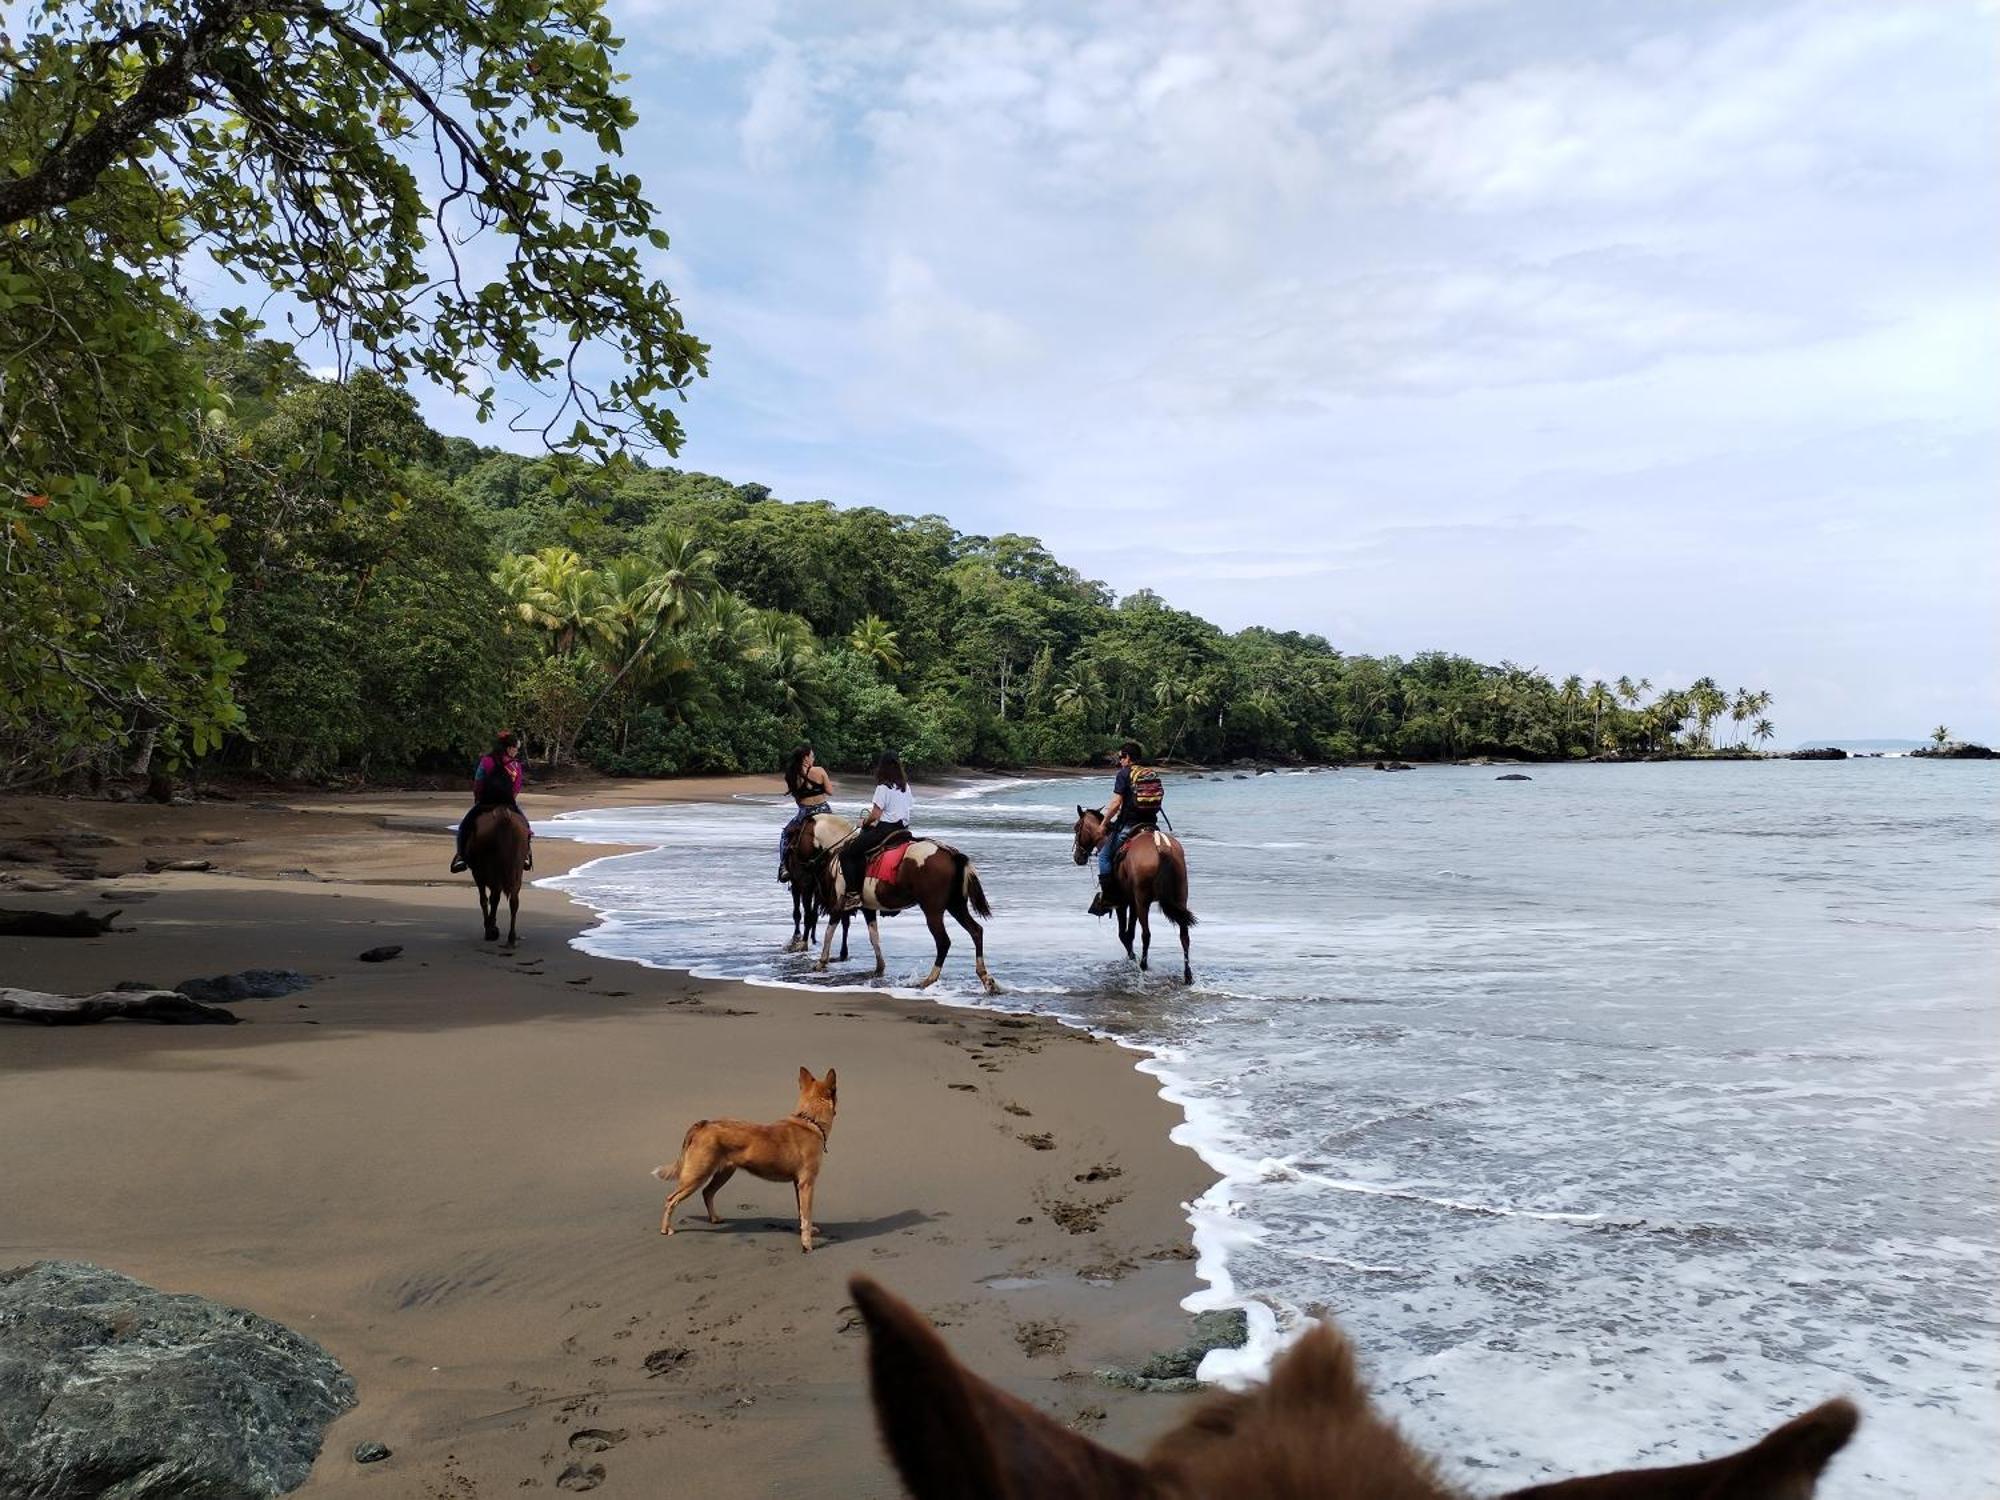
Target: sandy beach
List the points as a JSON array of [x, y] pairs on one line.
[[437, 1166]]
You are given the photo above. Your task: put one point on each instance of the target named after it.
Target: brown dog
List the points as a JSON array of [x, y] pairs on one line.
[[790, 1151], [1310, 1434]]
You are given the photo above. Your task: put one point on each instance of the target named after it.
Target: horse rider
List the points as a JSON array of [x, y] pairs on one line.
[[810, 788], [888, 814], [1123, 817], [496, 783]]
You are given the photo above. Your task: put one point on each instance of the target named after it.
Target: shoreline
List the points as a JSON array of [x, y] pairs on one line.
[[439, 1165]]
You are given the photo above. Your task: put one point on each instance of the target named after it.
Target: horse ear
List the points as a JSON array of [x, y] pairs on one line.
[[805, 1078], [1080, 812], [953, 1435], [1786, 1465]]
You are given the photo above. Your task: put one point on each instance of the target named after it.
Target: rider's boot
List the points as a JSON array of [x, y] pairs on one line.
[[1100, 904], [458, 864]]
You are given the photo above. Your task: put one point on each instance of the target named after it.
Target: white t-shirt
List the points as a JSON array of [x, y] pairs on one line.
[[894, 802]]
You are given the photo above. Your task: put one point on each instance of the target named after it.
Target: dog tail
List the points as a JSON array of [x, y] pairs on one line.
[[973, 891], [669, 1173]]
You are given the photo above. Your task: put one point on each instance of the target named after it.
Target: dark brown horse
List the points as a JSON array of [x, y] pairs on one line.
[[811, 842], [1152, 866], [496, 851], [929, 875]]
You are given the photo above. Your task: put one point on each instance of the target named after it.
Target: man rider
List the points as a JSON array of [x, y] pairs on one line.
[[1122, 818]]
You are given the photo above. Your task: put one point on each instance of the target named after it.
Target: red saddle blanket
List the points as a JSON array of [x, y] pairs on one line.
[[882, 863]]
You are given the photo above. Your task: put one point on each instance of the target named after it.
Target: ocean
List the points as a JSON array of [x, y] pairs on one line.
[[1616, 1114]]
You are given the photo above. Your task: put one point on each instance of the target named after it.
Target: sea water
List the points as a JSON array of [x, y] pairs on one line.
[[1616, 1114]]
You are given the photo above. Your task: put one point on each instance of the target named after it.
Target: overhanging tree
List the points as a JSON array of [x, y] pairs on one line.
[[342, 154]]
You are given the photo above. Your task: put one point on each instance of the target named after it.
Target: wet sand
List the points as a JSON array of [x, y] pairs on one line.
[[437, 1166]]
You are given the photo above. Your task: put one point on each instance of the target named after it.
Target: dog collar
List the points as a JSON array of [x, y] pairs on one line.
[[824, 1144]]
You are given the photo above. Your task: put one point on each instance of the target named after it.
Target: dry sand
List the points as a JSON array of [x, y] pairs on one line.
[[438, 1166]]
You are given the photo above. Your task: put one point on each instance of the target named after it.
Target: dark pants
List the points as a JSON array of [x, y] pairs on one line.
[[465, 823], [854, 858]]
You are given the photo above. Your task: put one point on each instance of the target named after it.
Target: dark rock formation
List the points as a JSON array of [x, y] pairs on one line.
[[371, 1453], [109, 1386], [1957, 752], [54, 924], [1513, 776], [1819, 752], [1394, 765], [383, 954], [251, 984], [1174, 1370]]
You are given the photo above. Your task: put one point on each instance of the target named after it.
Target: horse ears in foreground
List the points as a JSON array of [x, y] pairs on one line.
[[1311, 1432]]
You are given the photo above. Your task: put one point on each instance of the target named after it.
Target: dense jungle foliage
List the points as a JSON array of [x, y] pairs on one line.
[[208, 557], [395, 596]]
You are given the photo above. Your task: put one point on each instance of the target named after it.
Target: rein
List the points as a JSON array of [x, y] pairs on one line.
[[824, 1144]]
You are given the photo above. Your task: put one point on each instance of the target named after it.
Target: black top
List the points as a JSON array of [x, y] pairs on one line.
[[809, 790]]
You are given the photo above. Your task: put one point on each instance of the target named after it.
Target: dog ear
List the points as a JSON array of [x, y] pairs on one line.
[[955, 1437], [805, 1079], [828, 1081], [1786, 1465]]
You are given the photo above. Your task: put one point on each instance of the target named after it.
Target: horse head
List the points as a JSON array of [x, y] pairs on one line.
[[1310, 1432], [1089, 833]]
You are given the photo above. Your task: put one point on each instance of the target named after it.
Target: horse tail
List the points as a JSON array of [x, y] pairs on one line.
[[969, 886], [1170, 890]]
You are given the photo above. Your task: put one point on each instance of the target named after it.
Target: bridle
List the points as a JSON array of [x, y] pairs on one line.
[[1079, 850]]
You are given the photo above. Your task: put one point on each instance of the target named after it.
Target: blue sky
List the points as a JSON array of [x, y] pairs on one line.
[[1659, 339]]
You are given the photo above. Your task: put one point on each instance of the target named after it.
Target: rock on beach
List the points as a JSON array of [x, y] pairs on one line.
[[112, 1387]]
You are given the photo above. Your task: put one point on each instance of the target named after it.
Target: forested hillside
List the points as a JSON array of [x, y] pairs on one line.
[[393, 596]]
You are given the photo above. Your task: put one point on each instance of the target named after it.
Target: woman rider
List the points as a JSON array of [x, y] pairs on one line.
[[888, 814], [809, 786], [496, 783]]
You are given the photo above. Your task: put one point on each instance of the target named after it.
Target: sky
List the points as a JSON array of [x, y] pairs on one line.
[[1650, 339]]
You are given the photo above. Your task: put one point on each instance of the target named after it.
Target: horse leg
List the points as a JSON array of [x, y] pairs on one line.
[[875, 941], [513, 913], [962, 914], [1145, 917], [825, 948], [934, 915], [1187, 969], [846, 921], [798, 941], [489, 912], [1126, 923]]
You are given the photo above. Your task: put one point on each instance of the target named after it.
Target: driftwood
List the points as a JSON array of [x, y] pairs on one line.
[[170, 1006], [195, 866], [78, 923]]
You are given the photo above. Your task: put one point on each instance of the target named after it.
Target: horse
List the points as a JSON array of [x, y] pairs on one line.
[[811, 843], [496, 851], [1309, 1431], [927, 874], [1152, 866]]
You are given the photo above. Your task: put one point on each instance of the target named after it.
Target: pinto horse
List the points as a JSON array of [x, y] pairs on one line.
[[1152, 866], [496, 851], [813, 841], [926, 874]]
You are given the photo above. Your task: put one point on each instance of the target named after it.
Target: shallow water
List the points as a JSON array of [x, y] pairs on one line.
[[1616, 1114]]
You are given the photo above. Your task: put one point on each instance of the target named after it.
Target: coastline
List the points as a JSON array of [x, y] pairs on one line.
[[436, 1166]]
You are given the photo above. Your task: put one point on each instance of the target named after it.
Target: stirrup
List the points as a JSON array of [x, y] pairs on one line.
[[458, 864], [1099, 907]]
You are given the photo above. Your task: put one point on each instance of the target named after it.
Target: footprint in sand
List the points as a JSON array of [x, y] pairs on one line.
[[580, 1477], [596, 1439]]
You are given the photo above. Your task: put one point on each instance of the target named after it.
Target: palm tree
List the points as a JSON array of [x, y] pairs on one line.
[[1742, 709], [1941, 736], [1763, 730], [1570, 696], [1598, 700], [1628, 691], [874, 639]]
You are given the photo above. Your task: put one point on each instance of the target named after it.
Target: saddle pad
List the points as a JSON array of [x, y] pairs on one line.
[[882, 863]]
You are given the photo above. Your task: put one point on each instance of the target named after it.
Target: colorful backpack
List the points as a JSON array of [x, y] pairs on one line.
[[1148, 791]]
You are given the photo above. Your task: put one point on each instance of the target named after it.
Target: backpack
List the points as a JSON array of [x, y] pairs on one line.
[[1148, 791]]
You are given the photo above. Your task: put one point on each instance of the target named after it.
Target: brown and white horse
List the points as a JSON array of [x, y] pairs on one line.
[[1152, 866], [813, 842], [496, 851], [933, 876]]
